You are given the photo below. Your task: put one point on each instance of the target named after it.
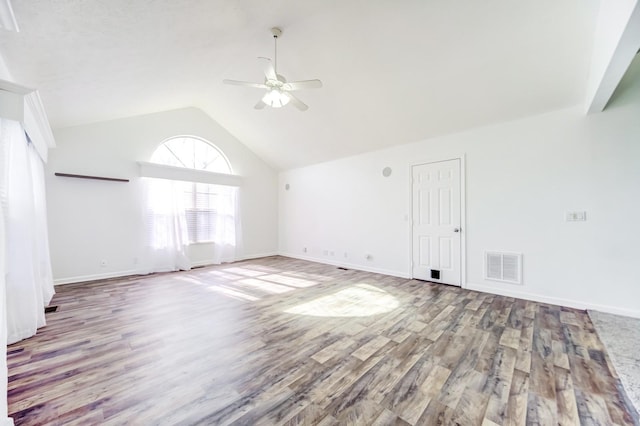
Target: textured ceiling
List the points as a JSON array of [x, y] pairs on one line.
[[393, 71]]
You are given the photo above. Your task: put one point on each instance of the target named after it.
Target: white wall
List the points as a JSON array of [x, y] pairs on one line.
[[521, 178], [91, 220]]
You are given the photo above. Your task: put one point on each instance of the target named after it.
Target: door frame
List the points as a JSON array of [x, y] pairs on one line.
[[463, 217]]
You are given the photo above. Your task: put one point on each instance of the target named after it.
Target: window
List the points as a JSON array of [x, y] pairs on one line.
[[208, 208], [191, 153]]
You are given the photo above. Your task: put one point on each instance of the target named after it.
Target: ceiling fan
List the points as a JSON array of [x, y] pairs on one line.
[[278, 89]]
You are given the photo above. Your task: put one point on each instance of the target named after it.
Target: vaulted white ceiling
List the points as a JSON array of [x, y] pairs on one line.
[[393, 71]]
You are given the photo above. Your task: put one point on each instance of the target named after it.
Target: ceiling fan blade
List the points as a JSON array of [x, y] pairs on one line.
[[245, 83], [260, 105], [269, 70], [297, 103], [303, 84]]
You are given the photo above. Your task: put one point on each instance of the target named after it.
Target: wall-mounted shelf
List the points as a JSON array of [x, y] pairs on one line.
[[92, 177]]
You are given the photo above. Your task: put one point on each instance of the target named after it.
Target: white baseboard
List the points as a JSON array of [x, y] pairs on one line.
[[256, 256], [94, 277], [348, 265], [237, 259], [571, 303], [117, 274]]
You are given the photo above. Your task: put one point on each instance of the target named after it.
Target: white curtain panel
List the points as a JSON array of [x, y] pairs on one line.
[[227, 225], [28, 278], [3, 327], [43, 271], [167, 227], [167, 234]]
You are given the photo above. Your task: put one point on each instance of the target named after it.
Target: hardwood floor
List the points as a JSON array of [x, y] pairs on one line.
[[283, 341]]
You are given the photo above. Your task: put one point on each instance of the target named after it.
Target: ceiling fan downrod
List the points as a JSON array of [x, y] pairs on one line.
[[277, 32]]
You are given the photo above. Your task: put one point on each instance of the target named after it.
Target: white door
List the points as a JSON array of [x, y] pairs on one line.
[[436, 222]]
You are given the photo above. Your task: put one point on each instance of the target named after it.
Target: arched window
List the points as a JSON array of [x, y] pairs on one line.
[[192, 153], [209, 210]]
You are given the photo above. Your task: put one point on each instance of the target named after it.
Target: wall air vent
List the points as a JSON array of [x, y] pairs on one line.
[[501, 266]]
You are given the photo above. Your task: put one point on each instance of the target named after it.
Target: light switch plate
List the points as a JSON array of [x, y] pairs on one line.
[[576, 216]]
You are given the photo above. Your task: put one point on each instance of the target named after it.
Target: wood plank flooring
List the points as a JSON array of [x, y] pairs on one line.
[[283, 341]]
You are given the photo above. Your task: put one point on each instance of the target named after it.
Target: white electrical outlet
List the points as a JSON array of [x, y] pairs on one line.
[[576, 216]]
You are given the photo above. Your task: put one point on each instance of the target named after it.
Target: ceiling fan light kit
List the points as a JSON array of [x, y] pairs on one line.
[[278, 89], [276, 98]]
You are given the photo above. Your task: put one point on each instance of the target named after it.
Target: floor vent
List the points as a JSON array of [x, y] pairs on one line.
[[49, 309], [505, 267]]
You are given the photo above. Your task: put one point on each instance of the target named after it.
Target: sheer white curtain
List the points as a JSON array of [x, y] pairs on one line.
[[3, 327], [167, 234], [227, 225], [167, 218], [43, 271], [28, 278]]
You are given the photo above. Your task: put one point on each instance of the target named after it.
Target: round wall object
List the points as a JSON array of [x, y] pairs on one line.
[[386, 172]]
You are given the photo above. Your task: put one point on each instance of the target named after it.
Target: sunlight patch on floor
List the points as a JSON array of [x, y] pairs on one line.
[[243, 271], [233, 293], [225, 275], [264, 286], [359, 300], [290, 281]]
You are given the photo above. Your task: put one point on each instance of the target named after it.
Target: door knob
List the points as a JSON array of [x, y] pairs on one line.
[[456, 229]]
